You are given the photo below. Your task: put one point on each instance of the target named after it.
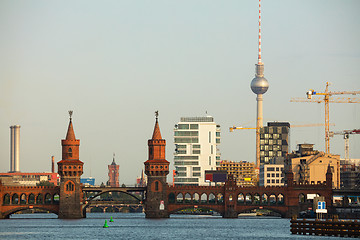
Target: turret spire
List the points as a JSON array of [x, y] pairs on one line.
[[70, 133], [156, 134]]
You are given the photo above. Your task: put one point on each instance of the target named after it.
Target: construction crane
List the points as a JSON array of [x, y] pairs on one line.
[[327, 99], [346, 134], [291, 126]]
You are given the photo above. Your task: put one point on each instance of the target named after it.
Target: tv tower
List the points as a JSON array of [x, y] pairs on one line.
[[259, 85]]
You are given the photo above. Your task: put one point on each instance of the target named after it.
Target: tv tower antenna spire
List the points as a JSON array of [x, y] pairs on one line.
[[259, 85], [259, 54]]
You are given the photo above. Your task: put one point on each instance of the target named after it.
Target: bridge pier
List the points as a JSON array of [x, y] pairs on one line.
[[230, 213]]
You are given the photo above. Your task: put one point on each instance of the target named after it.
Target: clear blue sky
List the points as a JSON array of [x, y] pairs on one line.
[[115, 62]]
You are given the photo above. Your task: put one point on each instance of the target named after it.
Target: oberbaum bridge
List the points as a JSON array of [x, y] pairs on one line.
[[159, 198]]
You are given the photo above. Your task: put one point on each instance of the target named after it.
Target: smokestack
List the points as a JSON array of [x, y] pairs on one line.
[[15, 148], [52, 164]]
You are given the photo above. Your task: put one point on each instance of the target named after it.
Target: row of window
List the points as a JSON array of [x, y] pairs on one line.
[[177, 163], [272, 142], [272, 147], [275, 175], [271, 153], [187, 126], [186, 157], [186, 140], [275, 181], [272, 169], [186, 133], [184, 169], [179, 146], [274, 130], [179, 180]]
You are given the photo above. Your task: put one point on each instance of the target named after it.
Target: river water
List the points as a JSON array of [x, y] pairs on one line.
[[135, 226]]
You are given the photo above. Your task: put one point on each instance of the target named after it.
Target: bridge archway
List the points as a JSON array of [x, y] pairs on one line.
[[209, 208], [22, 208], [269, 208], [90, 200]]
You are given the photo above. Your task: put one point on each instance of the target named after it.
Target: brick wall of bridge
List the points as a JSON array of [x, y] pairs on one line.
[[17, 198]]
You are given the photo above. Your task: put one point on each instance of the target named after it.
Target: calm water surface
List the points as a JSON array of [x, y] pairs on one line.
[[135, 226]]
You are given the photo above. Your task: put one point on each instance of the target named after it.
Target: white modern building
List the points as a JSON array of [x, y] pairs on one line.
[[196, 149]]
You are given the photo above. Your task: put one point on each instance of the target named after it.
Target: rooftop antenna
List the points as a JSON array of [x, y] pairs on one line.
[[70, 114], [259, 54]]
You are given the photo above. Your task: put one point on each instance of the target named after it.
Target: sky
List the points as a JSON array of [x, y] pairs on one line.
[[114, 63]]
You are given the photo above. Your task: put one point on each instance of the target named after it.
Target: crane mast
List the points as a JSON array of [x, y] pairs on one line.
[[346, 134]]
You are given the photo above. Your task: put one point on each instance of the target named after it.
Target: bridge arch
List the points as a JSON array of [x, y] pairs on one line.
[[112, 190], [6, 199], [15, 199], [282, 213], [207, 207], [26, 207], [39, 199], [89, 201], [31, 198]]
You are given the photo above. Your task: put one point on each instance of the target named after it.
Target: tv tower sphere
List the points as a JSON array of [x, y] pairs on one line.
[[259, 85]]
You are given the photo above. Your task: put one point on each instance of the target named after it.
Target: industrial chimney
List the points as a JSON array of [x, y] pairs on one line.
[[15, 148]]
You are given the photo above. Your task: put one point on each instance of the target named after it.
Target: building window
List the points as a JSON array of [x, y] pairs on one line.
[[156, 186], [209, 160], [196, 168], [194, 126], [217, 134], [212, 149], [196, 151], [209, 137], [70, 187], [186, 133], [271, 169], [70, 152], [183, 126]]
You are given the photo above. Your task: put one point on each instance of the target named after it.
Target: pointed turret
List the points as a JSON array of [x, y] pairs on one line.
[[157, 133], [70, 133], [156, 144], [70, 145]]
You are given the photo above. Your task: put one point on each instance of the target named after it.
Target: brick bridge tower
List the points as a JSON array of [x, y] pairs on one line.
[[156, 169], [70, 169]]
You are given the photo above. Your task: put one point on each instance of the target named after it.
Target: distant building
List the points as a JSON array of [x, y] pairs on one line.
[[309, 165], [113, 174], [243, 172], [141, 181], [271, 175], [349, 174], [274, 141], [89, 181], [28, 179], [196, 149]]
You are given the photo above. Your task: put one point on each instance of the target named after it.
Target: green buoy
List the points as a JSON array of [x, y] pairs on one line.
[[111, 219], [105, 225]]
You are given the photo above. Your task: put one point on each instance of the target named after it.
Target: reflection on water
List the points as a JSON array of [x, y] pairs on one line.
[[136, 226]]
